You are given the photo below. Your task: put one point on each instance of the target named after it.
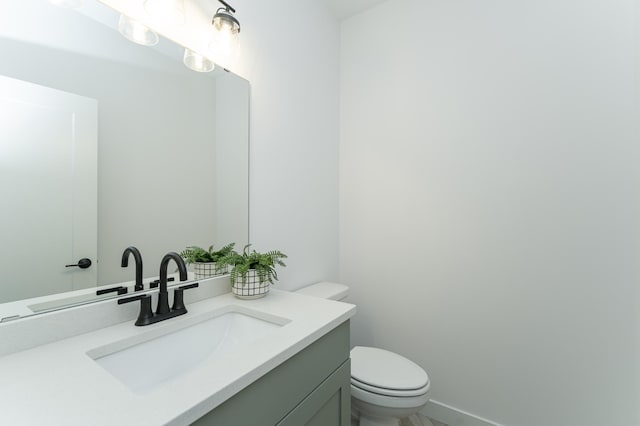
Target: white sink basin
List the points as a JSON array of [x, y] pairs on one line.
[[146, 361]]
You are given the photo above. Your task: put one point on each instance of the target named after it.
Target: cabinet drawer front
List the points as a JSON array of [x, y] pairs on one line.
[[328, 405]]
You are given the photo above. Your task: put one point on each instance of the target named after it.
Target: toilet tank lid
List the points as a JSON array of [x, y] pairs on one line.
[[326, 290]]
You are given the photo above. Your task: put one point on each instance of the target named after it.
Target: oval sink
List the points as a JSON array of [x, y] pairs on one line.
[[146, 361]]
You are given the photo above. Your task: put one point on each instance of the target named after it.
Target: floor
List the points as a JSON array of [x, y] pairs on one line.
[[417, 420], [435, 423], [420, 420]]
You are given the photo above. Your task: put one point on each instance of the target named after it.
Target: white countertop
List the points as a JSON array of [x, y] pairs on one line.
[[59, 384]]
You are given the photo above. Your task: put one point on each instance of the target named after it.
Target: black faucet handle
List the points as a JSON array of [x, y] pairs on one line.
[[133, 298], [120, 290], [178, 297], [156, 283], [188, 286], [146, 313]]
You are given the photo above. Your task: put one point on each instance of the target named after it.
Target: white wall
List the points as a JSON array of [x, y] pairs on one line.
[[290, 53], [489, 202], [232, 134]]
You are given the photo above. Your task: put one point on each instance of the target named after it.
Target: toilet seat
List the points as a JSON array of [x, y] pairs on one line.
[[386, 373], [391, 392]]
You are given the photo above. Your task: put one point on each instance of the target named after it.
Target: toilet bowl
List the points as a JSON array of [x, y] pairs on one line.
[[385, 386]]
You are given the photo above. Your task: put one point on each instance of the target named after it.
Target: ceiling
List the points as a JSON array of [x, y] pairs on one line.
[[343, 9]]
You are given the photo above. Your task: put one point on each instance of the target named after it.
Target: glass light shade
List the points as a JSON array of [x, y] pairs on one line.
[[169, 11], [197, 62], [225, 37], [71, 4], [223, 21], [136, 32]]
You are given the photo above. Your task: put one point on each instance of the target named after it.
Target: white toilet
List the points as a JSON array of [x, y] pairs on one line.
[[385, 387]]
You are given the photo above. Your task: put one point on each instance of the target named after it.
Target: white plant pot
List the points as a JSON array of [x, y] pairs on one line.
[[208, 269], [251, 288]]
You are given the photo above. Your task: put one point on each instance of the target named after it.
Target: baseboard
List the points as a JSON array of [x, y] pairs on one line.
[[452, 416]]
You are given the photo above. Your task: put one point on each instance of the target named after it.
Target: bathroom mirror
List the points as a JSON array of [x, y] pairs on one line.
[[158, 157]]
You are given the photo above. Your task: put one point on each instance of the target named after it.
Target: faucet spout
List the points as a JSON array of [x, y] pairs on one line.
[[163, 295], [138, 259]]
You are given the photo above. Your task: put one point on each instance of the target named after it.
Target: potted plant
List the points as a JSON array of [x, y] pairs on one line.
[[207, 262], [252, 272]]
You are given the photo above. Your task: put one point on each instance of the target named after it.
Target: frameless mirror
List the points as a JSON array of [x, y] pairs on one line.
[[106, 144]]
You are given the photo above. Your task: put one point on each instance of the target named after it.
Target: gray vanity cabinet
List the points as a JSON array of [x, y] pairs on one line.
[[329, 404], [309, 389]]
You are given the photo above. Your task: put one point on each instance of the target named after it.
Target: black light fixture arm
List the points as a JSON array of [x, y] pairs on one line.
[[227, 6]]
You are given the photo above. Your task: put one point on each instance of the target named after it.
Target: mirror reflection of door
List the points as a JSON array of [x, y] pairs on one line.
[[48, 188]]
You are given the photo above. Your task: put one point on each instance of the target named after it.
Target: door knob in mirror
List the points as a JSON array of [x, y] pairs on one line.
[[83, 263]]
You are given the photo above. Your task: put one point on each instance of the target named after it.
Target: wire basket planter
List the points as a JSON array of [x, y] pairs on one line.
[[208, 269], [250, 286]]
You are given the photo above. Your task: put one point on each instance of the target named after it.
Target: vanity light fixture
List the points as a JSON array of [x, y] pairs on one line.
[[197, 62], [136, 32], [226, 29], [71, 4], [169, 11]]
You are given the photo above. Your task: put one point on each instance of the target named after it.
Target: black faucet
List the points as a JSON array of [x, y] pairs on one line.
[[138, 258], [163, 295], [163, 312]]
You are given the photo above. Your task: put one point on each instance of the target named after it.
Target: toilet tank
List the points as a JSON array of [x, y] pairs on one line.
[[326, 290]]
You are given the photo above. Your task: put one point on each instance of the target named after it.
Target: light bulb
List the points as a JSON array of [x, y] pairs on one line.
[[197, 62], [224, 39], [136, 32], [224, 22]]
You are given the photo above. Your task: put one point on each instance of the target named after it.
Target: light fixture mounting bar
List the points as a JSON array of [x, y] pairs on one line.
[[228, 6]]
